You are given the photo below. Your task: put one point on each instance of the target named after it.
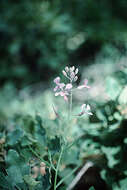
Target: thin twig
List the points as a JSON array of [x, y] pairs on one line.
[[63, 179], [57, 168], [79, 175]]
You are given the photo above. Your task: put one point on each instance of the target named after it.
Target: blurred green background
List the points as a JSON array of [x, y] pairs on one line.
[[38, 38]]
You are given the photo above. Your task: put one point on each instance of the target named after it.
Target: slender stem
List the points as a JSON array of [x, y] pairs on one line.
[[70, 105], [62, 180], [57, 168], [41, 159], [50, 158]]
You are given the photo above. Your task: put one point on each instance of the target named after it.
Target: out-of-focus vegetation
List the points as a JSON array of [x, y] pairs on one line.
[[26, 139], [38, 38]]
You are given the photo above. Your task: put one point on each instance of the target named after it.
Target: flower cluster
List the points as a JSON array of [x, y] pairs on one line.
[[62, 89], [65, 90], [85, 109], [84, 85], [71, 73]]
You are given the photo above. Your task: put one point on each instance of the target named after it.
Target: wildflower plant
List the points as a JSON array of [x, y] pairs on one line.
[[43, 156], [66, 91], [37, 155]]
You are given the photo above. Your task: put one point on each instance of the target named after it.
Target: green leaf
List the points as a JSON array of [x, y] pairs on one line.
[[54, 145], [46, 180], [5, 183], [92, 188], [110, 152], [15, 174], [12, 157], [30, 180], [40, 131], [123, 184], [113, 88], [123, 96], [14, 137], [25, 141], [16, 168], [29, 124]]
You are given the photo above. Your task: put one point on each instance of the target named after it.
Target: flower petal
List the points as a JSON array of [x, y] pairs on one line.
[[76, 71], [72, 75], [66, 69], [61, 85], [62, 93], [56, 88], [88, 107], [57, 80], [72, 68], [65, 98], [89, 113], [68, 86], [85, 83], [83, 107], [64, 73], [75, 79], [57, 93], [80, 87]]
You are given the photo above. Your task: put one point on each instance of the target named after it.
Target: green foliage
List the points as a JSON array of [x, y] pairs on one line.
[[45, 35], [37, 39], [19, 155], [28, 140], [91, 188]]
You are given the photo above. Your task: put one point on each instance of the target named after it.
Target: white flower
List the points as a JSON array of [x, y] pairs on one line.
[[85, 109], [68, 86], [85, 85]]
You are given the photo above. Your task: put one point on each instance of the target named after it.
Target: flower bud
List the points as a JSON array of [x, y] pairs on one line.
[[72, 75], [68, 86], [76, 71], [72, 69], [57, 80], [64, 73], [75, 79], [66, 69], [42, 168]]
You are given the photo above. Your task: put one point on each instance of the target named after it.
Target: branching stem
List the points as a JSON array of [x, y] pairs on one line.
[[57, 168]]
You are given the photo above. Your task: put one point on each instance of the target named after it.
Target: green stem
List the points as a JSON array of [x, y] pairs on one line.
[[62, 180], [70, 105], [50, 158], [41, 159], [57, 168]]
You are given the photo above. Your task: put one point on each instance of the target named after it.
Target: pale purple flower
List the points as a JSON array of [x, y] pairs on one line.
[[84, 85], [61, 89], [68, 86], [56, 88], [75, 79], [66, 69], [64, 73], [57, 80], [62, 93], [76, 71], [59, 86], [85, 109], [65, 98]]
